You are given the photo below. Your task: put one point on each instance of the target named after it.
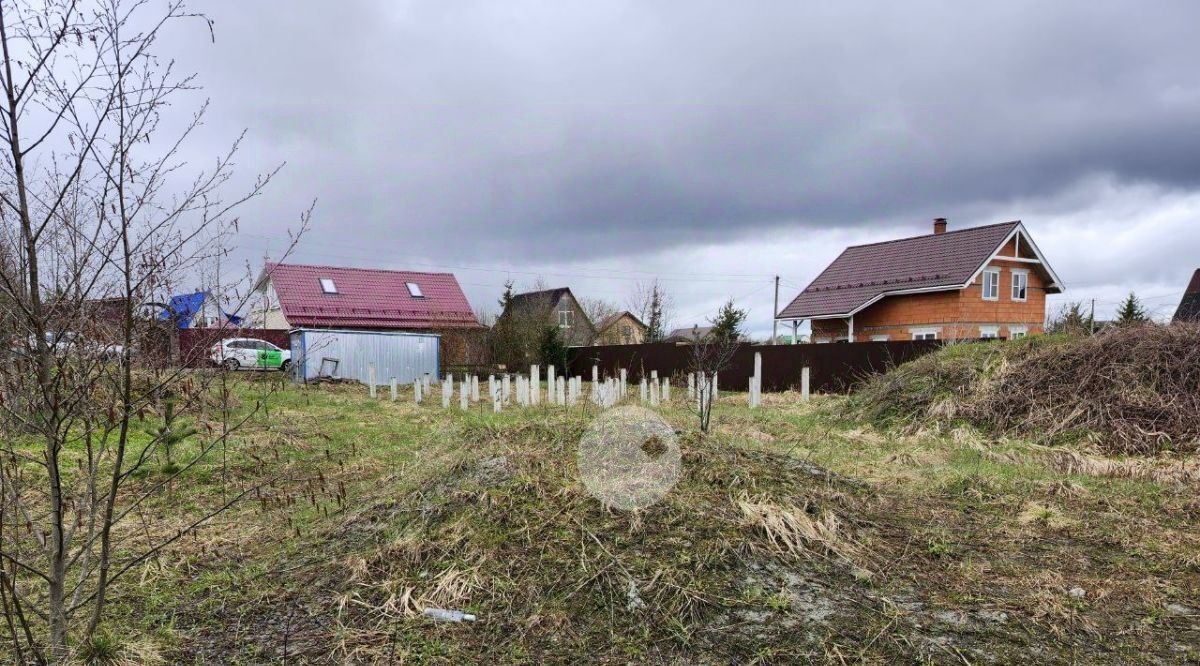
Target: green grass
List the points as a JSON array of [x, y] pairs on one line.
[[383, 507]]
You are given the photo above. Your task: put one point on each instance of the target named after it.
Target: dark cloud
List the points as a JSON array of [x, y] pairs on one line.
[[569, 131]]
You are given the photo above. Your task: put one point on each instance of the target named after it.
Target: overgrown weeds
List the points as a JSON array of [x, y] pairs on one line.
[[1133, 390]]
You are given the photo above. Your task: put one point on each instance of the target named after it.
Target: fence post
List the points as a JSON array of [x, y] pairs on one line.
[[804, 384], [371, 378], [535, 384], [393, 387], [417, 391]]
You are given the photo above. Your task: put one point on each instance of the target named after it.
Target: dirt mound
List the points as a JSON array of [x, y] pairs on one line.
[[1133, 390]]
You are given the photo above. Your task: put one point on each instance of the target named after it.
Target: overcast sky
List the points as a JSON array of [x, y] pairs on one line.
[[711, 144]]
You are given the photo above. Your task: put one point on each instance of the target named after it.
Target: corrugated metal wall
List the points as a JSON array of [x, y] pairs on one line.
[[404, 356]]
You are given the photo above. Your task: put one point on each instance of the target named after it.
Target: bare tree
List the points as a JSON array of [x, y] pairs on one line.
[[654, 306], [708, 355], [598, 309], [96, 204]]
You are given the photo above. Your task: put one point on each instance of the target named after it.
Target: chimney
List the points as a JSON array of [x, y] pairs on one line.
[[939, 225]]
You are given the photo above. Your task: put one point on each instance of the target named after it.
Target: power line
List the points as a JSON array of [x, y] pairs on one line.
[[594, 274]]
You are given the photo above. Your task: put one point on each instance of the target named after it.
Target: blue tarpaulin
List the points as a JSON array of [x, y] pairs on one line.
[[182, 308]]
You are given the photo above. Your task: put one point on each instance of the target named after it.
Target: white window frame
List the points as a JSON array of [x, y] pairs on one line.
[[1022, 276], [879, 338], [566, 318], [414, 290], [989, 332], [925, 333], [328, 286], [985, 278], [1017, 332]]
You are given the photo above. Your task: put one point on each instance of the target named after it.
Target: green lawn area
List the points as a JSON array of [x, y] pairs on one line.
[[795, 533]]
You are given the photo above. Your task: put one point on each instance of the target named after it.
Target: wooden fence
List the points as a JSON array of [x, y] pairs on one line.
[[833, 368]]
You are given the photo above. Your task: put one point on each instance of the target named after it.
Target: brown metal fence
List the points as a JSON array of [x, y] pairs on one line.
[[833, 368], [194, 343]]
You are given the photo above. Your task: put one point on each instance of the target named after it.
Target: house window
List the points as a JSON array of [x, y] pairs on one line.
[[328, 286], [627, 334], [989, 332], [924, 333], [565, 318], [1020, 285], [414, 290], [991, 284], [1016, 332], [879, 338]]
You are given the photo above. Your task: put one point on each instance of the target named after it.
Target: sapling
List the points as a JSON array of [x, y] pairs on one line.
[[170, 433]]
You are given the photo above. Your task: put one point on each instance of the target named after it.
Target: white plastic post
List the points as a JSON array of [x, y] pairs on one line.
[[464, 395], [491, 385], [494, 391], [447, 391], [474, 388], [750, 393], [551, 386], [691, 386], [417, 391], [371, 378], [392, 385], [505, 388], [804, 384], [666, 389], [624, 383], [562, 391], [595, 374], [535, 384]]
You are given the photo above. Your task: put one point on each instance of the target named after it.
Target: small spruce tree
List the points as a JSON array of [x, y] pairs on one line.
[[170, 433], [727, 326], [1132, 311]]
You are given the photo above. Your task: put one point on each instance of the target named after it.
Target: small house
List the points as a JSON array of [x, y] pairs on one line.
[[623, 328]]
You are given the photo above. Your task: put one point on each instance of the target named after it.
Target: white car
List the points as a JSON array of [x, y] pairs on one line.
[[251, 354]]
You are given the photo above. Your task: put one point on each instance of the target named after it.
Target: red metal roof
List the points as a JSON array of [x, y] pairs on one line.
[[864, 272], [369, 298]]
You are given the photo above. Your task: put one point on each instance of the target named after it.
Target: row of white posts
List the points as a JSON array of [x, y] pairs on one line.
[[526, 391]]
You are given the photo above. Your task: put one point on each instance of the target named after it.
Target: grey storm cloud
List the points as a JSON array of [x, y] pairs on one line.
[[564, 130]]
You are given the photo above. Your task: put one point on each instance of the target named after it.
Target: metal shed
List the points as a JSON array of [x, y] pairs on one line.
[[350, 355]]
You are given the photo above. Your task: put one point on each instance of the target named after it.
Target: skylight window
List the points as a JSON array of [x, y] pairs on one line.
[[414, 290], [328, 286]]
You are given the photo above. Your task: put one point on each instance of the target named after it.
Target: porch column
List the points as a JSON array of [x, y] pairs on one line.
[[850, 336], [795, 331]]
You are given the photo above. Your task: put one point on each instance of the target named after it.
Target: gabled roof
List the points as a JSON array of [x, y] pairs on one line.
[[1189, 307], [539, 300], [368, 298], [688, 334], [863, 274], [614, 318]]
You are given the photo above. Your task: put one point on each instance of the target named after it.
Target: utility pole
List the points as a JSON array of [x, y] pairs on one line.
[[1092, 319], [774, 314]]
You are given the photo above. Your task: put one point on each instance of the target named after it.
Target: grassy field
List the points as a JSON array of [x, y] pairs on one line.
[[795, 533]]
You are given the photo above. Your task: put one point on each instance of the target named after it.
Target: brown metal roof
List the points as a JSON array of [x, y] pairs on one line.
[[1189, 307], [864, 272]]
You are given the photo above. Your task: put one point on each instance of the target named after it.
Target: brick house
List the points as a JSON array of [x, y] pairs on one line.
[[302, 296], [981, 282]]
